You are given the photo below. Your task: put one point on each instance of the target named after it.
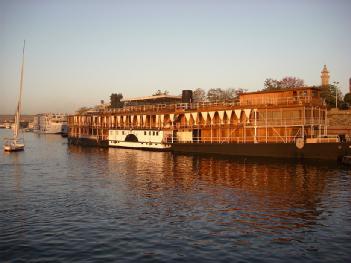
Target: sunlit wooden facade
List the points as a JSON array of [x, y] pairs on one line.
[[256, 117]]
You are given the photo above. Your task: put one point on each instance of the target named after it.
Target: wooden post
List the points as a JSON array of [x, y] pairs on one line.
[[266, 125], [256, 141]]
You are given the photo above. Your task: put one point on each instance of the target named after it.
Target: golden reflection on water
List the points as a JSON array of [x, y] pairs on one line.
[[259, 195], [132, 200], [262, 195]]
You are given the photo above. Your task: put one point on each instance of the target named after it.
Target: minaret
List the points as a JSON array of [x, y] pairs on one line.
[[325, 76]]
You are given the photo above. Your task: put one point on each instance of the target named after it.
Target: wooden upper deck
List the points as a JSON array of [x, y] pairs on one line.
[[271, 116], [308, 96]]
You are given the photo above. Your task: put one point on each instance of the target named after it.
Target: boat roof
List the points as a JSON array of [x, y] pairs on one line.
[[280, 90], [155, 97]]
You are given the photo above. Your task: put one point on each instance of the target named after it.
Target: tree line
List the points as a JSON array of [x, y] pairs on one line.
[[216, 94], [199, 95], [334, 97], [331, 93]]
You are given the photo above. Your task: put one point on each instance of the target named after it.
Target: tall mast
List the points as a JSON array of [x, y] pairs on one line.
[[18, 111]]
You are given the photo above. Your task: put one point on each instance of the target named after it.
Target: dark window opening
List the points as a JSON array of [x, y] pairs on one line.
[[131, 138]]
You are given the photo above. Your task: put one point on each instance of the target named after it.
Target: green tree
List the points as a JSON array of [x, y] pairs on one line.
[[222, 95], [238, 92], [271, 84], [291, 82], [284, 83], [115, 100], [159, 92], [331, 94], [199, 95], [215, 95], [346, 104]]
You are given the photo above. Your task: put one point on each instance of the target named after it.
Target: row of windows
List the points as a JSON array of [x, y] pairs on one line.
[[146, 143], [153, 133]]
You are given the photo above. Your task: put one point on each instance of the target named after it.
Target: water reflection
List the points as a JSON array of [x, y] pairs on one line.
[[57, 201], [263, 196]]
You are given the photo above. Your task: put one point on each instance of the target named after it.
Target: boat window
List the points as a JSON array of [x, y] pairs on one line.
[[303, 93], [153, 133], [157, 133], [275, 115], [144, 132]]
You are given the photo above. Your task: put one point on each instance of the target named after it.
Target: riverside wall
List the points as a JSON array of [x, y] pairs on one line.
[[339, 121]]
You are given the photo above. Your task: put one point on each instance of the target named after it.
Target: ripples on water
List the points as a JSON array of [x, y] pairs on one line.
[[67, 204]]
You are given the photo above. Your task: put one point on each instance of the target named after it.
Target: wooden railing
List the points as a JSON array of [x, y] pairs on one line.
[[259, 123], [213, 106]]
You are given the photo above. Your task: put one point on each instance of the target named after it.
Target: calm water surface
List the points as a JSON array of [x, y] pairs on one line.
[[60, 203]]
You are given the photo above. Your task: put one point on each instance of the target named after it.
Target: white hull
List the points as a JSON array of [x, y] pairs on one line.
[[50, 123], [140, 145], [52, 129], [14, 148], [138, 139], [13, 145]]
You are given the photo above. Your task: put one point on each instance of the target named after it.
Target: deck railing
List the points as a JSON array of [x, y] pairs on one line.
[[259, 123], [217, 105], [257, 139]]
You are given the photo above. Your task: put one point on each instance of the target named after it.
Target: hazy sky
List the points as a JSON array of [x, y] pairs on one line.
[[79, 52]]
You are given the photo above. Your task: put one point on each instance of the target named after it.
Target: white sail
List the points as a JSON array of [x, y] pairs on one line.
[[15, 144]]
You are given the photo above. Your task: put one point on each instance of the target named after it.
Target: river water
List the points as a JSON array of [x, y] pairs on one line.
[[61, 203]]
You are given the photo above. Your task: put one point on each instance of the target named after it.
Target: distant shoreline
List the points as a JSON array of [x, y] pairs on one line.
[[11, 117]]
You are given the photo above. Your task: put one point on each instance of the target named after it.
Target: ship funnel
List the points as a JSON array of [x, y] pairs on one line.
[[187, 96]]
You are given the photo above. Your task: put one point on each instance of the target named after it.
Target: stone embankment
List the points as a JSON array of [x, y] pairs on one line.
[[339, 121]]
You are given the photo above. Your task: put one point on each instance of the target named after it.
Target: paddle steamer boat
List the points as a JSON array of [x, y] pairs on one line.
[[290, 123]]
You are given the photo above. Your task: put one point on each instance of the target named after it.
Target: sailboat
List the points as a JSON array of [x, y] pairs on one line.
[[16, 143]]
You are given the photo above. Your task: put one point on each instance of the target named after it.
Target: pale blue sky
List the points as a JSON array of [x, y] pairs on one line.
[[79, 52]]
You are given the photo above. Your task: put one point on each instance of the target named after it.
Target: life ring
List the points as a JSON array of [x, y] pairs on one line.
[[299, 143]]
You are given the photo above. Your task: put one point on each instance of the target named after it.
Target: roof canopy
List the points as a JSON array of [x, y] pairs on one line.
[[281, 90], [156, 97]]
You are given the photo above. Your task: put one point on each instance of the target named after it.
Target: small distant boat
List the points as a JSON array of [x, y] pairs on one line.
[[16, 143]]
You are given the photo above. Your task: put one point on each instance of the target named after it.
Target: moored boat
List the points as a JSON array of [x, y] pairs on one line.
[[316, 151], [16, 143], [289, 123], [13, 145], [50, 123]]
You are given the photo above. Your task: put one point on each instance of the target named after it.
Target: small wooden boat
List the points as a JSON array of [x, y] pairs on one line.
[[16, 143]]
